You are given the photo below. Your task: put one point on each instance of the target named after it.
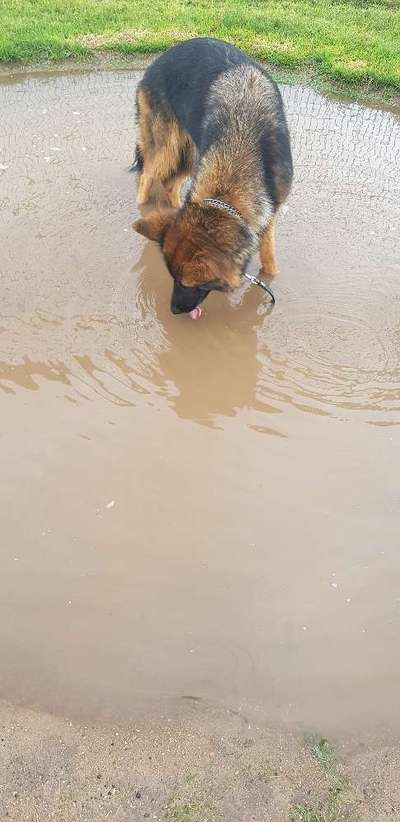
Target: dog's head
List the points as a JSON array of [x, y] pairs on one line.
[[197, 262]]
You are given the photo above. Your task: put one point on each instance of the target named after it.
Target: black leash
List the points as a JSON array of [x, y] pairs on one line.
[[262, 284]]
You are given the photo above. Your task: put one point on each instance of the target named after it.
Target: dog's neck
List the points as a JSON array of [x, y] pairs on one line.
[[221, 205], [236, 194]]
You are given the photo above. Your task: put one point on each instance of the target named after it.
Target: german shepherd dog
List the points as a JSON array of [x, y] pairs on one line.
[[206, 111]]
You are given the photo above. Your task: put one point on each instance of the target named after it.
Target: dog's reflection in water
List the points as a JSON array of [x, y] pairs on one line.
[[207, 368]]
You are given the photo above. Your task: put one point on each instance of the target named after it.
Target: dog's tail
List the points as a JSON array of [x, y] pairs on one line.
[[137, 164]]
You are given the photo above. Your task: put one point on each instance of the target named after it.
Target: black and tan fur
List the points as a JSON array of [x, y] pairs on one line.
[[208, 112]]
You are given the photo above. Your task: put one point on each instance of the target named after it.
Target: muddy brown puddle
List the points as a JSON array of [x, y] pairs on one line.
[[208, 509]]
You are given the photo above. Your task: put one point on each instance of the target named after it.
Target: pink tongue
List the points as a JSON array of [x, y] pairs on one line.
[[195, 314]]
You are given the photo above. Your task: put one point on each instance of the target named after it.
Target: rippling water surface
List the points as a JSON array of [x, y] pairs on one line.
[[250, 553]]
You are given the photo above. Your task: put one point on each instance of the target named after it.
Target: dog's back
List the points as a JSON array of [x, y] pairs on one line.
[[183, 76], [215, 91]]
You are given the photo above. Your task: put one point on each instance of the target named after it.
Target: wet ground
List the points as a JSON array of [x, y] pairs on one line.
[[208, 509]]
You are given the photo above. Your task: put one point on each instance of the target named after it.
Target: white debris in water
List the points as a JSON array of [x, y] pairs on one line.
[[305, 628], [110, 504], [47, 159], [3, 167], [44, 110], [55, 148], [76, 112], [333, 584], [83, 148], [348, 599]]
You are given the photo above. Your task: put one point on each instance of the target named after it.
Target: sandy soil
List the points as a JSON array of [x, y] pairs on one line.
[[209, 764]]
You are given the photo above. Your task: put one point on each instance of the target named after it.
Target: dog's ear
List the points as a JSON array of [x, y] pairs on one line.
[[155, 225]]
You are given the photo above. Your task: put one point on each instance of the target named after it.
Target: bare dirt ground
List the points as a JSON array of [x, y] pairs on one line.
[[208, 764]]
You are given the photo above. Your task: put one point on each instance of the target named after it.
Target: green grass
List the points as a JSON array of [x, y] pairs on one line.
[[349, 41], [335, 806], [191, 812]]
